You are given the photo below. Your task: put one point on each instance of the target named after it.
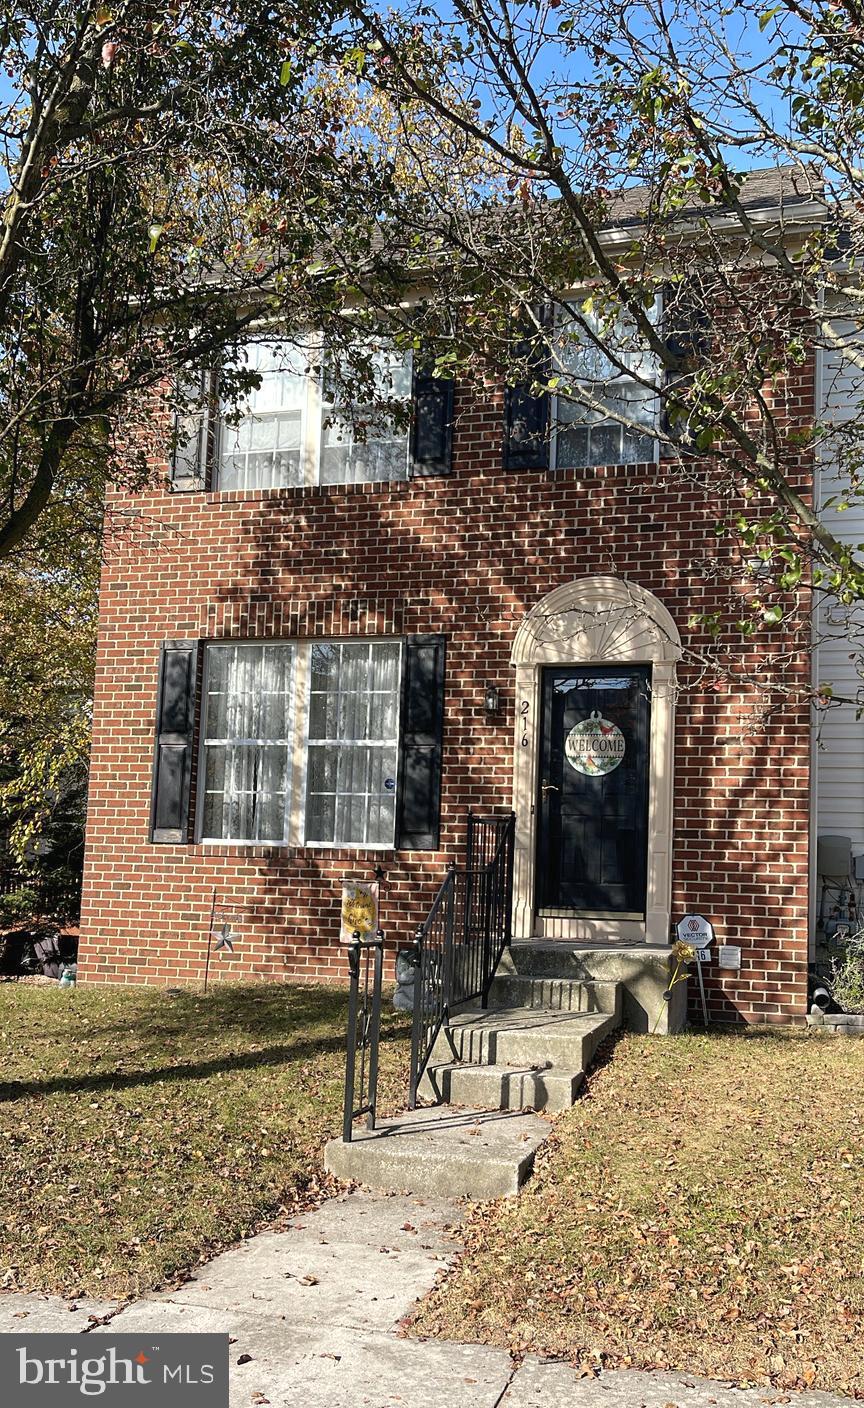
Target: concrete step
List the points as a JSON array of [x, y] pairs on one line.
[[643, 970], [443, 1152], [554, 994], [505, 1087], [523, 1038], [555, 958]]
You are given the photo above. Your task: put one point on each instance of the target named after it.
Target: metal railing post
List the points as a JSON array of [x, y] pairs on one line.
[[375, 1018], [449, 930], [510, 850], [351, 1057], [417, 1022], [364, 1030]]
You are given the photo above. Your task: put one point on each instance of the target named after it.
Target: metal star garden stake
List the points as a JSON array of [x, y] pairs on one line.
[[226, 938]]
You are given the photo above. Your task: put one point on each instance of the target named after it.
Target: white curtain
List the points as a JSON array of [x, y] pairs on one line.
[[247, 747], [353, 737]]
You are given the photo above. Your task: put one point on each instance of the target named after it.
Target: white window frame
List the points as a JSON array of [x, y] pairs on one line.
[[307, 714], [318, 433], [311, 435], [299, 706], [573, 297], [306, 409], [291, 725]]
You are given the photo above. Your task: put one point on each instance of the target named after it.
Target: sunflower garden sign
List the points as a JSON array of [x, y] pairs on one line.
[[359, 909]]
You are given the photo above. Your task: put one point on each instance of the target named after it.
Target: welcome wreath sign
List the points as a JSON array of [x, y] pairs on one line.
[[595, 746]]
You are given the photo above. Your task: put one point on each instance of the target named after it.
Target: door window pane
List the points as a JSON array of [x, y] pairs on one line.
[[353, 743], [247, 742]]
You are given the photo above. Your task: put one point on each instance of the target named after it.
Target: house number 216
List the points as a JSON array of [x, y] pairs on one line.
[[524, 708]]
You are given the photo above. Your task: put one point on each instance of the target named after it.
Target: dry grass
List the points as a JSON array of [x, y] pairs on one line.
[[701, 1209], [141, 1132]]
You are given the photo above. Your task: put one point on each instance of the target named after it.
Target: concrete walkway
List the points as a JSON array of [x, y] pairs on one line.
[[313, 1314]]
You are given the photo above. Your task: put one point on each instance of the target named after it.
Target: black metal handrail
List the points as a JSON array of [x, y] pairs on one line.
[[365, 964], [461, 943]]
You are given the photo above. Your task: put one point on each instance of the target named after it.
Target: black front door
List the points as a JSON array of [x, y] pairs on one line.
[[592, 838]]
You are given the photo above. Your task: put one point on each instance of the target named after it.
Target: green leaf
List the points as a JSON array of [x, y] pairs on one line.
[[767, 16], [285, 73], [155, 233]]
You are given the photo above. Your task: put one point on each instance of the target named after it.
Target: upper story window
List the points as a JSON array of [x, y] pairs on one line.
[[261, 440], [381, 450], [302, 425], [617, 428]]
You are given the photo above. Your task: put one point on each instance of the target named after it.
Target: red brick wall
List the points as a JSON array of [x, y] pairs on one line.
[[466, 555]]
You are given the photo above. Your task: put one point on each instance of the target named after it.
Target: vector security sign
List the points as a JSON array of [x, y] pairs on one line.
[[695, 929]]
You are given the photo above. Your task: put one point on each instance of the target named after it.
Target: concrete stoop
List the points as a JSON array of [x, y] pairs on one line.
[[527, 1052], [511, 1036], [640, 972], [448, 1153]]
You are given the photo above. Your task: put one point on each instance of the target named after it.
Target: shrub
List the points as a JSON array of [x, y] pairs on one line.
[[846, 984], [19, 906]]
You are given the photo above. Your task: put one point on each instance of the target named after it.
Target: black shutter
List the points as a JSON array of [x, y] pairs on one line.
[[686, 329], [526, 429], [431, 424], [418, 804], [686, 323], [175, 731], [192, 431], [526, 416]]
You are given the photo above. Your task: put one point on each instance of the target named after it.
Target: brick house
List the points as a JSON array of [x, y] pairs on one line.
[[340, 648]]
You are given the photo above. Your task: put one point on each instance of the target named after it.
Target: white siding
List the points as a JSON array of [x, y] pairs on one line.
[[840, 758]]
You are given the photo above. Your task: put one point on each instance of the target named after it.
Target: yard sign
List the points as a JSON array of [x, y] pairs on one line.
[[359, 914], [698, 932]]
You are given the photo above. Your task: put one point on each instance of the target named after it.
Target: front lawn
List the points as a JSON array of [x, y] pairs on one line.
[[701, 1209], [140, 1132]]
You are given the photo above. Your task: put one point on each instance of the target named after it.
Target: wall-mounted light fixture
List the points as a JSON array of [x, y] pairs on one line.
[[491, 699]]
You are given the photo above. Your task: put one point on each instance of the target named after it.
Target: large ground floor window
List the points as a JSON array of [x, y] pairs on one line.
[[299, 742]]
